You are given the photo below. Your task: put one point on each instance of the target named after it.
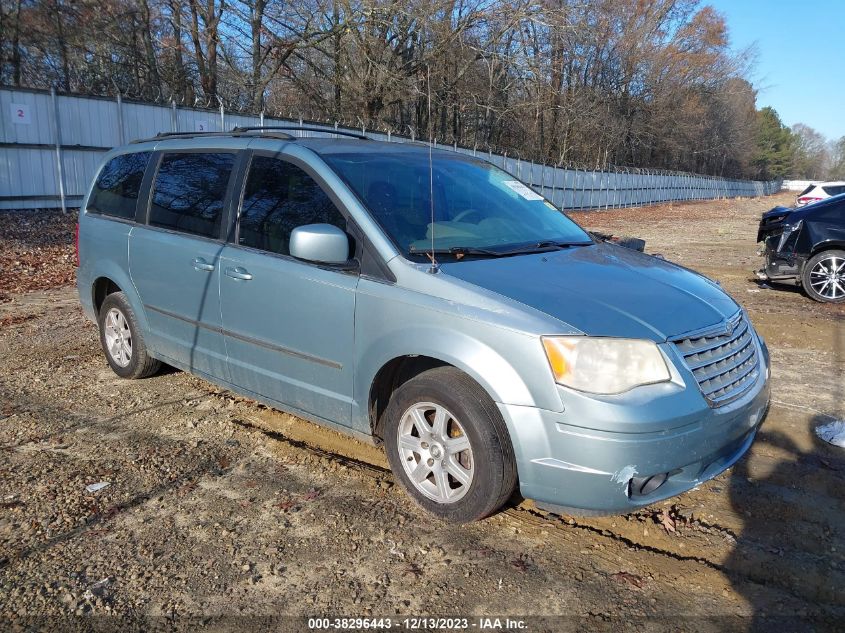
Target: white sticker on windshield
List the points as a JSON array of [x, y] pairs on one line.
[[522, 190]]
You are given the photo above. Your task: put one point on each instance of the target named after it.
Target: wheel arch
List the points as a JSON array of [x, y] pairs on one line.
[[115, 280], [809, 264], [102, 287], [383, 370], [827, 245], [390, 377]]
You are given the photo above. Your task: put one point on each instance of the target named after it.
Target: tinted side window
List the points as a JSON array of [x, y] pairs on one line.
[[834, 190], [189, 191], [116, 191], [278, 197]]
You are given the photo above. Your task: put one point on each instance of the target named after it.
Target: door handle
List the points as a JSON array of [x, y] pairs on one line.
[[200, 264], [238, 273]]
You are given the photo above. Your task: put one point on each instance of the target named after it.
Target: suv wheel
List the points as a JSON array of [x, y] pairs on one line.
[[122, 343], [448, 445], [824, 276]]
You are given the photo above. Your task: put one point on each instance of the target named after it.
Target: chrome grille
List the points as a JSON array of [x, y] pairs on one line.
[[725, 363]]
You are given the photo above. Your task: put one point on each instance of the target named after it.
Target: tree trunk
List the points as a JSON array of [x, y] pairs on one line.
[[181, 80], [62, 44], [16, 46], [338, 63], [154, 79], [256, 21], [206, 57]]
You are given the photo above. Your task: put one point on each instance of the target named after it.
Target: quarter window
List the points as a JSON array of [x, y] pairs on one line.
[[189, 192], [116, 191], [278, 197], [834, 190]]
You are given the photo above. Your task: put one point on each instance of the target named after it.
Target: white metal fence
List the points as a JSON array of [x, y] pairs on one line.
[[50, 146], [797, 185]]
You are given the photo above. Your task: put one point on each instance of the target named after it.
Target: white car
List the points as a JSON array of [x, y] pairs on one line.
[[820, 191]]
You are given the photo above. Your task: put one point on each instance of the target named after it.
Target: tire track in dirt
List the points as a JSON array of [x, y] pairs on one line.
[[527, 516]]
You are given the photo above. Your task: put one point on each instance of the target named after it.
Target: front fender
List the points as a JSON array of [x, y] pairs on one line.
[[508, 364]]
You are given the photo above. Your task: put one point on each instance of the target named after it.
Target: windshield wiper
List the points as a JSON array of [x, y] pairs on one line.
[[541, 247], [457, 251], [461, 251]]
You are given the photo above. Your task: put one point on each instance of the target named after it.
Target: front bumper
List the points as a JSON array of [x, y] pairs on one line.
[[591, 456], [780, 267]]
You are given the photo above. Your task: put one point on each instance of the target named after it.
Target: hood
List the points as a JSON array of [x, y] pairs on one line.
[[604, 290], [772, 222]]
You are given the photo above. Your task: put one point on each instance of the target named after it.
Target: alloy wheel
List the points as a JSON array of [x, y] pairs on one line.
[[118, 337], [827, 278], [435, 452]]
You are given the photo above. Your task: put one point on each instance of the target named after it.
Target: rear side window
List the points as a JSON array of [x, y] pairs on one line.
[[278, 197], [189, 192], [834, 190], [116, 191]]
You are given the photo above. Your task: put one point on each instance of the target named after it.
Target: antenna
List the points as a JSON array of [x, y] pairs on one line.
[[434, 268]]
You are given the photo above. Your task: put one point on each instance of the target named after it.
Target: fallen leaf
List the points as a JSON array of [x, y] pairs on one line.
[[667, 521], [627, 578], [523, 563]]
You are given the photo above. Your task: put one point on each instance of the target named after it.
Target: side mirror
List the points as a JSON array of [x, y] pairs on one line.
[[324, 243]]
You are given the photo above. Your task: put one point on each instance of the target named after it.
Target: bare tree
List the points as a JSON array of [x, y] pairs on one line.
[[625, 82]]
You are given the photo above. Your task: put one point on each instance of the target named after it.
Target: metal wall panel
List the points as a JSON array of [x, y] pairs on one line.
[[88, 126]]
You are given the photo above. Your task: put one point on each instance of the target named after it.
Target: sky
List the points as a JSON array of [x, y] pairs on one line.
[[800, 68]]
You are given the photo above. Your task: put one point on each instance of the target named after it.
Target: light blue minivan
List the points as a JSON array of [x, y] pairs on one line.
[[425, 300]]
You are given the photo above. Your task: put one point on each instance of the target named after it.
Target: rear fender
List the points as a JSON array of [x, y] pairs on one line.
[[111, 270]]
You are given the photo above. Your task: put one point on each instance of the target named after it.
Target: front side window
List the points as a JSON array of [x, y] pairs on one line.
[[278, 197], [189, 192], [116, 191], [460, 202]]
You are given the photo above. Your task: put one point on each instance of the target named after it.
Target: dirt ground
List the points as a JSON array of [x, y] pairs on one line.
[[219, 510]]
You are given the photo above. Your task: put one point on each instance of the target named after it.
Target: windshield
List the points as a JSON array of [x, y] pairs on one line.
[[476, 205]]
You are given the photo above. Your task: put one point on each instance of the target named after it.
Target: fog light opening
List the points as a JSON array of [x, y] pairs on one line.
[[642, 486]]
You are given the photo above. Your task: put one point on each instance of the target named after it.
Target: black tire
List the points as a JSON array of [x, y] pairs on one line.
[[811, 274], [140, 364], [492, 457]]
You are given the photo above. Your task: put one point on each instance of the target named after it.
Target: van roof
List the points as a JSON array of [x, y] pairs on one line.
[[346, 142]]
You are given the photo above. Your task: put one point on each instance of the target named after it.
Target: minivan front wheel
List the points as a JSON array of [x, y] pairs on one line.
[[122, 342], [448, 445], [824, 276]]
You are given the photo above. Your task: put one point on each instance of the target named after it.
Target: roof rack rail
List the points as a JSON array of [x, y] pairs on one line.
[[275, 131], [163, 135], [298, 128], [167, 135]]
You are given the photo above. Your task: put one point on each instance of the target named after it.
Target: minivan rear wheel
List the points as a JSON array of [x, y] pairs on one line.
[[122, 343], [448, 445], [824, 276]]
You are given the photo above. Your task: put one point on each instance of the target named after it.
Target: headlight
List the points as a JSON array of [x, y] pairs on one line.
[[789, 231], [604, 365]]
